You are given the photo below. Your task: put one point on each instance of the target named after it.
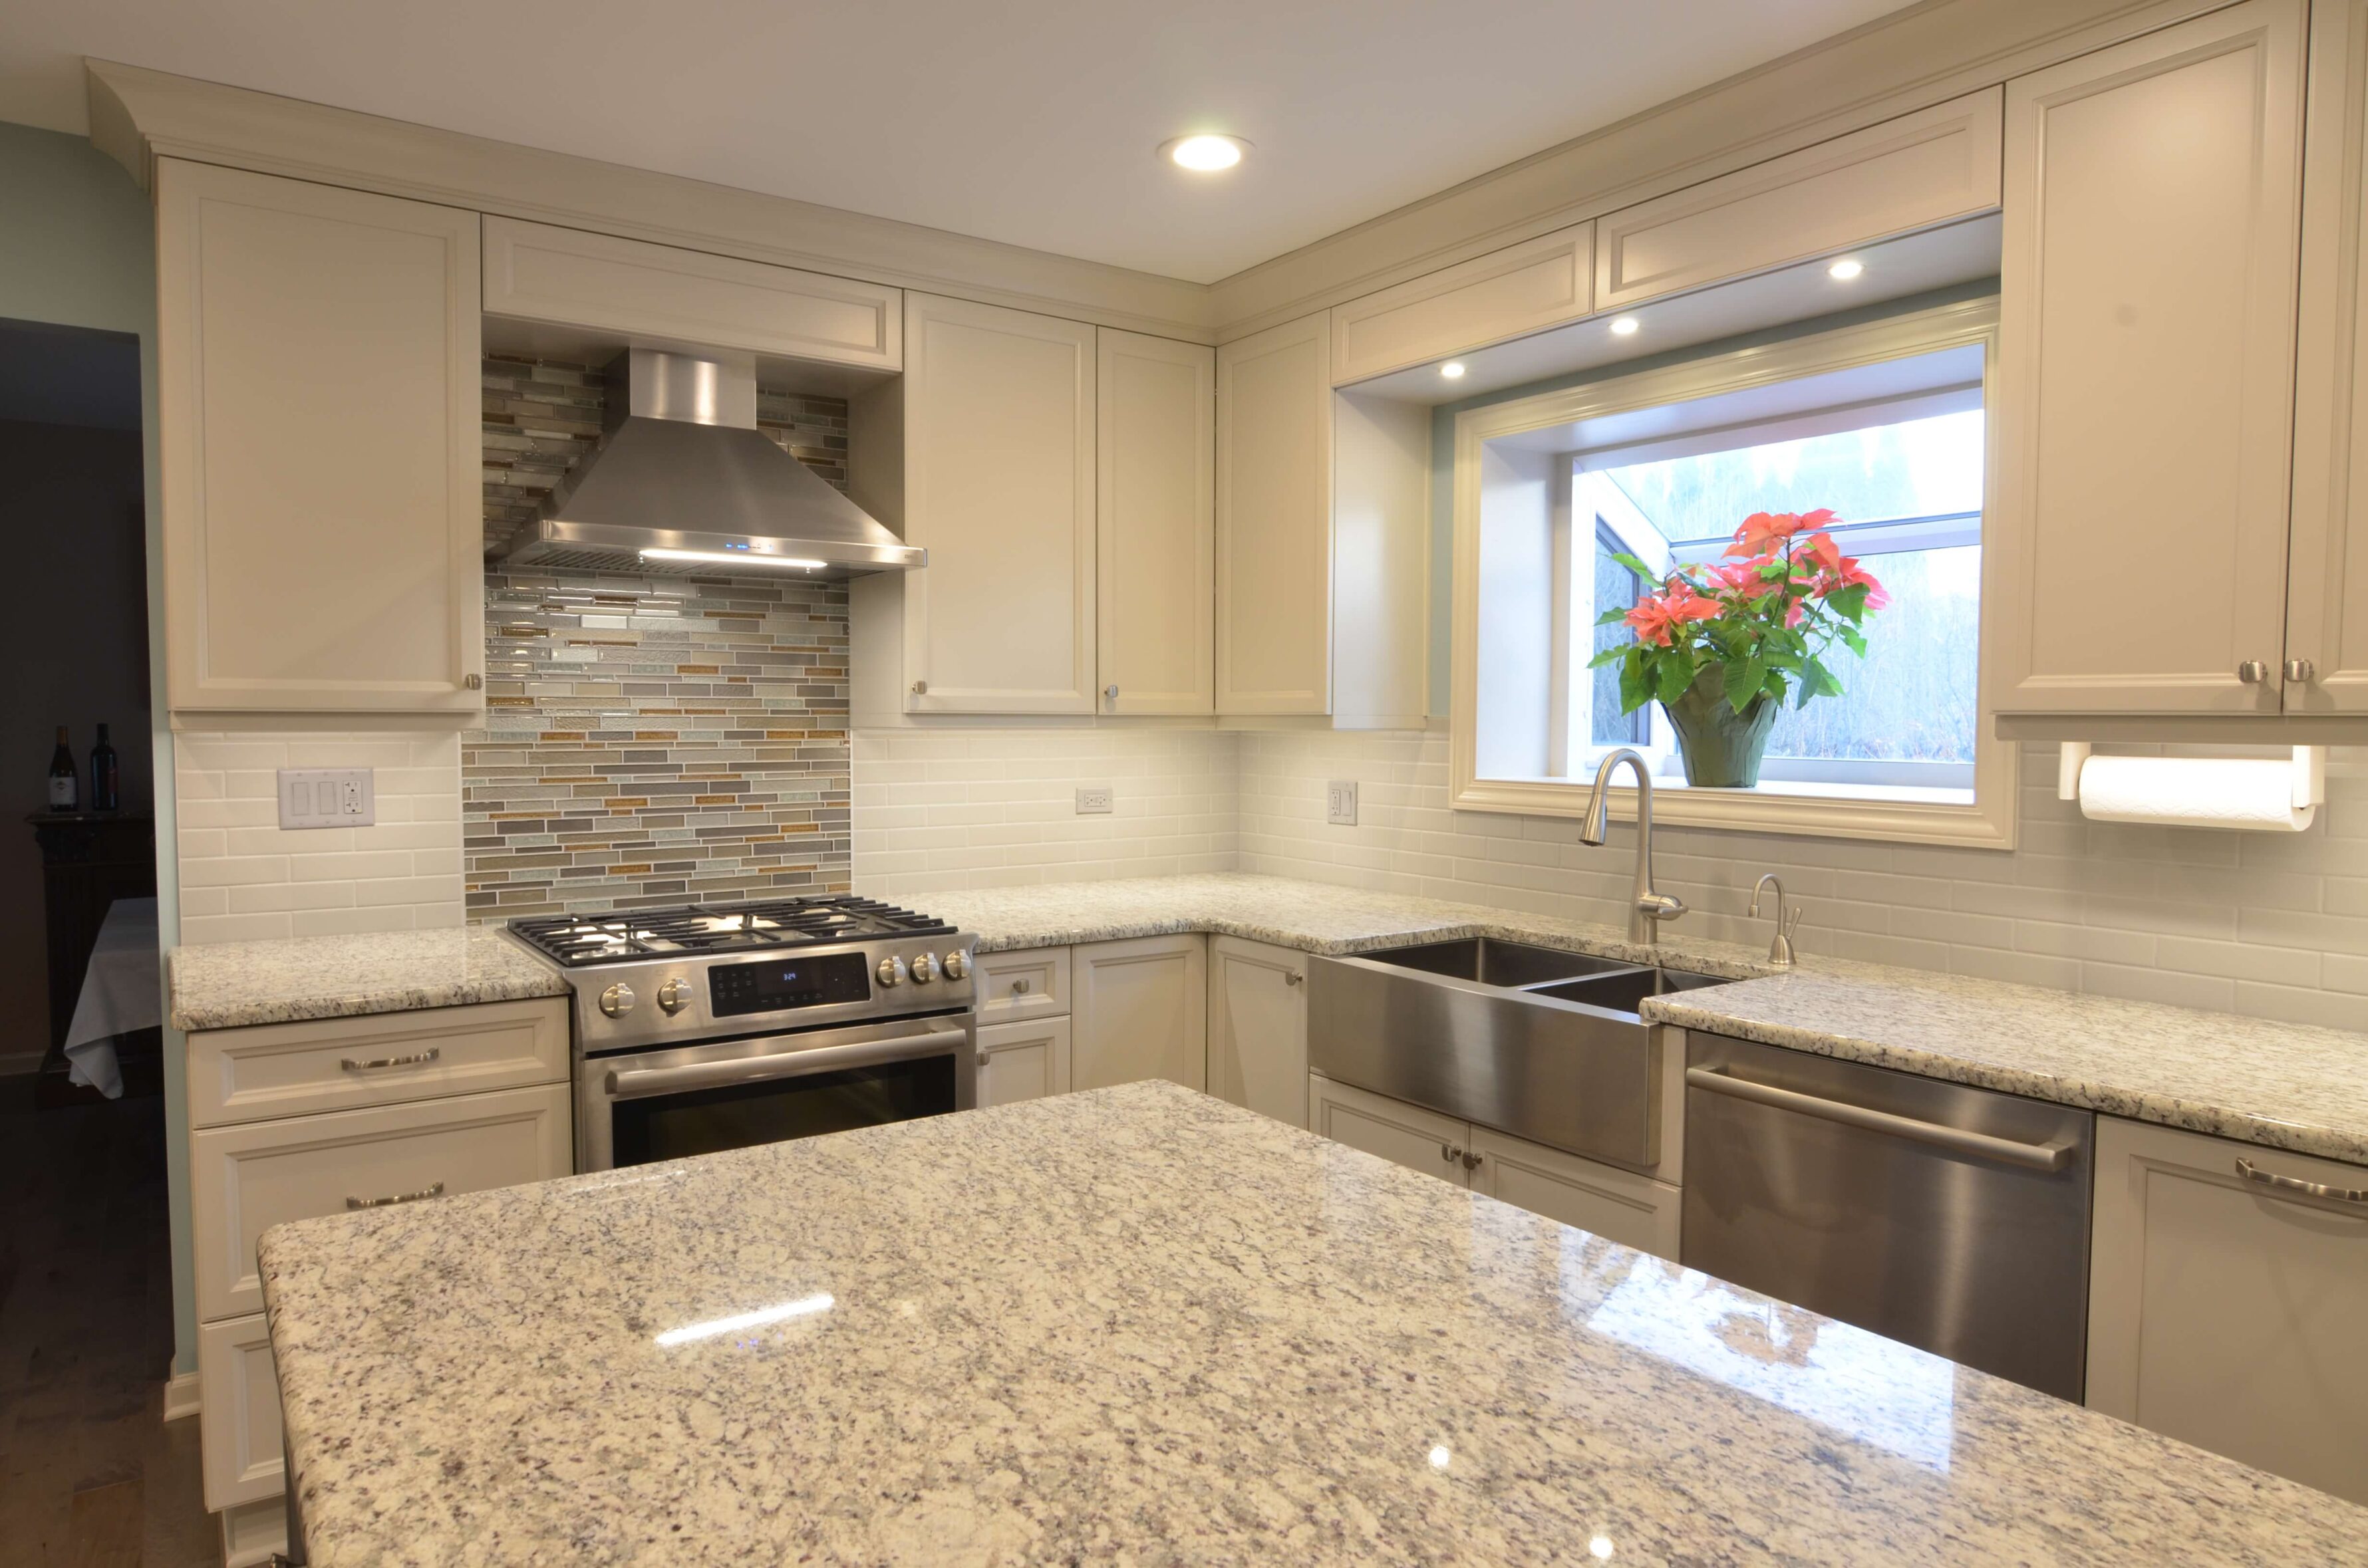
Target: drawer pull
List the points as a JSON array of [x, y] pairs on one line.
[[2252, 1172], [434, 1191], [375, 1063]]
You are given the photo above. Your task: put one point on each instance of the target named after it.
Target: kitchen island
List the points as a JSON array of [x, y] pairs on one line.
[[1141, 1325]]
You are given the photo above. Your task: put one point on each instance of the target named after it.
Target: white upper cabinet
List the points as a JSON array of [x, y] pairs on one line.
[[321, 462], [536, 272], [1521, 289], [1911, 173], [2139, 533], [1274, 520], [1156, 495], [2327, 597], [998, 409]]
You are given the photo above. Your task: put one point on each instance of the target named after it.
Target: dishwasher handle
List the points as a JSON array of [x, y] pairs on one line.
[[2044, 1157]]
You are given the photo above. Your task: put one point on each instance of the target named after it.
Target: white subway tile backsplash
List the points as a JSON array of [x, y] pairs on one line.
[[243, 877]]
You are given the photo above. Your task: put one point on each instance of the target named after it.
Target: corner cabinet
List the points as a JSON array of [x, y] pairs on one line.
[[2146, 373], [982, 454], [2327, 597], [1258, 1027], [2225, 1284], [1321, 537], [1139, 1010], [321, 462]]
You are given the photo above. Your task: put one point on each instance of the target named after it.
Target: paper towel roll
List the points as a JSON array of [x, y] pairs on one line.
[[2188, 791]]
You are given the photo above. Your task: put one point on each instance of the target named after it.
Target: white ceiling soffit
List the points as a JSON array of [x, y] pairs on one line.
[[1030, 124]]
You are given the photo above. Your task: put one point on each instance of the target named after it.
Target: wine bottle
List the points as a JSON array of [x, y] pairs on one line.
[[104, 795], [64, 779]]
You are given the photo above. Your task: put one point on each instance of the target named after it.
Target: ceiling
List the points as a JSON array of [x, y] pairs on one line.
[[1034, 123]]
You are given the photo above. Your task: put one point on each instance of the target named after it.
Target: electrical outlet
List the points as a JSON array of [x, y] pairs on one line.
[[1094, 799], [1340, 802], [328, 797]]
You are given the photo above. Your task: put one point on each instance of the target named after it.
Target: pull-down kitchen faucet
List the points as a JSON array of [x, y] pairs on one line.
[[1648, 908]]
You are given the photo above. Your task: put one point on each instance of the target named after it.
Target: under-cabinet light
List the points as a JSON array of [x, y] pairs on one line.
[[1452, 370], [1625, 326], [1844, 269]]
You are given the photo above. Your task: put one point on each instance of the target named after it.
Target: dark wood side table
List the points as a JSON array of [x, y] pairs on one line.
[[88, 860]]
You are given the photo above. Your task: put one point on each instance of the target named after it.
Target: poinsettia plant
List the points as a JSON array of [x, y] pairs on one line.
[[1764, 615]]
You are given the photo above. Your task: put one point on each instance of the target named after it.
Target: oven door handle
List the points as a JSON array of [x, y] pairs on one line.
[[643, 1082]]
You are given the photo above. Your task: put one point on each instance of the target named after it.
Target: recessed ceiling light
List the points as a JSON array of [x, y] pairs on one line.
[[1452, 370], [1844, 269], [1625, 326], [1205, 152]]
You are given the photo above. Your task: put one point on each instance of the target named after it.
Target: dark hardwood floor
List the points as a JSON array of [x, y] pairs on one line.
[[91, 1473]]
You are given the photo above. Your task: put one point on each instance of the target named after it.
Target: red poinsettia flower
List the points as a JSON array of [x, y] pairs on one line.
[[1655, 620], [1763, 533]]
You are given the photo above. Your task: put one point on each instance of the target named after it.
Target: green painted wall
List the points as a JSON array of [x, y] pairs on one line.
[[78, 248], [1442, 442]]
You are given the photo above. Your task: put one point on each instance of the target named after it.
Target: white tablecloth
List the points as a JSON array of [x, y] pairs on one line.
[[122, 992]]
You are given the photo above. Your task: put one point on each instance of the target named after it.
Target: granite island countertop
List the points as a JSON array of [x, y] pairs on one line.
[[222, 985], [1043, 1334]]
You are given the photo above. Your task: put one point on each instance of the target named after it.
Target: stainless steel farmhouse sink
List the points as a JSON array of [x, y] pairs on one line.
[[1535, 1041]]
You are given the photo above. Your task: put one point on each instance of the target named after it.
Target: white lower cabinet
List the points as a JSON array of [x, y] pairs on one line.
[[1023, 1061], [2225, 1309], [239, 1446], [1620, 1205], [1258, 1027], [1139, 1009]]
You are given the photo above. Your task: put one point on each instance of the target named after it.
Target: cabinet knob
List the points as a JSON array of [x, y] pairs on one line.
[[1019, 988], [2301, 670], [1291, 977], [473, 682], [1472, 1162], [1111, 691], [2252, 672], [1450, 1153], [920, 688]]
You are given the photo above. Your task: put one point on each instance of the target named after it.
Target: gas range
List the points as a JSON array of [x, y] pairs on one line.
[[709, 1027], [696, 970]]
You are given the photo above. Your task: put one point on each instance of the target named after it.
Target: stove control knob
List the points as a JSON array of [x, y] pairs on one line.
[[674, 996], [957, 965], [925, 969], [891, 971], [618, 1000]]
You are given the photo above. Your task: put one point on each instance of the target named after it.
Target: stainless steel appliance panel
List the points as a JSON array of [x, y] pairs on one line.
[[1569, 1076], [1953, 1218]]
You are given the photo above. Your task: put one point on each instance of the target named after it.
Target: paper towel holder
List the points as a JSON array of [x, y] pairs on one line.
[[2309, 773]]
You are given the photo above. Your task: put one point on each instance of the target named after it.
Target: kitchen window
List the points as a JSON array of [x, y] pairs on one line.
[[1560, 496]]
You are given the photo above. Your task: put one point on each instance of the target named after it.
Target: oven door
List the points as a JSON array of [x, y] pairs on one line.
[[633, 1108]]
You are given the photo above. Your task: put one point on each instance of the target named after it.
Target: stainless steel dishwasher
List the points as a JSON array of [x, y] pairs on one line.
[[1953, 1218]]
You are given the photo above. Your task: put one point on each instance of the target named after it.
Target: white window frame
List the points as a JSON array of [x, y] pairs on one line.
[[1831, 807]]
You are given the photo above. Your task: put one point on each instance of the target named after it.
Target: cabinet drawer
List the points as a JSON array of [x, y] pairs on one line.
[[1909, 173], [1024, 1060], [1524, 288], [1031, 983], [1391, 1129], [239, 1419], [535, 272], [1620, 1205], [279, 1070], [247, 1178]]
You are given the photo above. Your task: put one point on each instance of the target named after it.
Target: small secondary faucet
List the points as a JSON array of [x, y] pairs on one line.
[[1648, 908], [1779, 950]]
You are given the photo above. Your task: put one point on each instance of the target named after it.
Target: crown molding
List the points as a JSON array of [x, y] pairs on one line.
[[138, 116], [1894, 65]]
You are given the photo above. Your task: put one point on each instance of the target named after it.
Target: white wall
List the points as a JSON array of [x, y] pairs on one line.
[[243, 877], [989, 807], [2272, 925]]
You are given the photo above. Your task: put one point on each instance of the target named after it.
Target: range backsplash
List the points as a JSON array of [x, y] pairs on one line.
[[648, 740]]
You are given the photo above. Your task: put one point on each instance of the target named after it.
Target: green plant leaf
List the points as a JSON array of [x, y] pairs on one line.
[[1636, 565], [1635, 690], [1854, 640], [1611, 617], [1676, 673], [1743, 681], [1605, 657]]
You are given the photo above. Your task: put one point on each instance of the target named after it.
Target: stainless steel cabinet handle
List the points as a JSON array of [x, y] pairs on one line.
[[434, 1191], [920, 688], [2252, 672], [1291, 977], [1450, 1153], [2301, 670], [1111, 691], [351, 1066], [473, 682], [2252, 1172], [1981, 1146], [1472, 1162]]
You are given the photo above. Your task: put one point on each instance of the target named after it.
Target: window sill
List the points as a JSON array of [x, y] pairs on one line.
[[1899, 814]]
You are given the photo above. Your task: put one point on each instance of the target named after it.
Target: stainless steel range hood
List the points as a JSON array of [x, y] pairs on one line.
[[683, 483]]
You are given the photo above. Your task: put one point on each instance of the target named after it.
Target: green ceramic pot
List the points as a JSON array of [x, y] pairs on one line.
[[1722, 748]]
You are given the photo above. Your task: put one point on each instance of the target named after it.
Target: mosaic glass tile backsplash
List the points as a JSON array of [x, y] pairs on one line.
[[648, 740]]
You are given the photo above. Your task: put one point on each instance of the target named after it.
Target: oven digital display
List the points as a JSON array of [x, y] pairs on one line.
[[815, 979]]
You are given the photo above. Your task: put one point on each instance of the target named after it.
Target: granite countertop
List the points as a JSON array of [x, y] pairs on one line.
[[1045, 1334], [224, 985]]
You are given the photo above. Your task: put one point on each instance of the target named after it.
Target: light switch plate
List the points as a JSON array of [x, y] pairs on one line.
[[1340, 802], [1094, 799], [328, 797]]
